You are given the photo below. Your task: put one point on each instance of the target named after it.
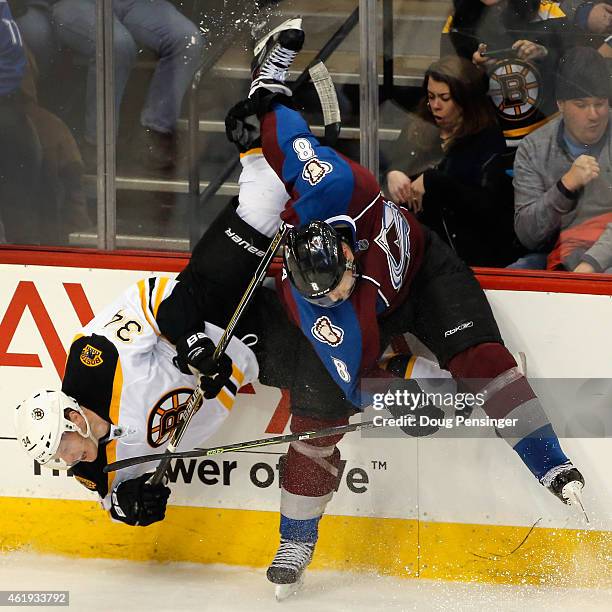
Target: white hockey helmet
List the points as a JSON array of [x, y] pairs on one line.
[[40, 423]]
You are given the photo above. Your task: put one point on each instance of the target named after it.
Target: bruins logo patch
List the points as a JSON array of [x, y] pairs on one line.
[[91, 356], [90, 484], [167, 413]]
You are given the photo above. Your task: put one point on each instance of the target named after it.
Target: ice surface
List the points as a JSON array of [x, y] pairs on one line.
[[106, 584]]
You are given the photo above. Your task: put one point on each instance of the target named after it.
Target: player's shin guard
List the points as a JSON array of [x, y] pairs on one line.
[[491, 370], [310, 477]]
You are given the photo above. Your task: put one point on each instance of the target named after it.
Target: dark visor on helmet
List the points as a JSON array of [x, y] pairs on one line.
[[315, 262]]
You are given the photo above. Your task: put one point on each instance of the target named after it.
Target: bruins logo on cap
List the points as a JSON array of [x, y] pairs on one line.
[[167, 413], [90, 484], [91, 356]]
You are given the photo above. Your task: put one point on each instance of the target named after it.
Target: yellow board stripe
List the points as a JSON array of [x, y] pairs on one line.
[[113, 413], [161, 289], [143, 302], [400, 547]]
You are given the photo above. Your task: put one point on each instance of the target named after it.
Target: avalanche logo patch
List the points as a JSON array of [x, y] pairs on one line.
[[164, 417], [314, 171], [394, 240], [91, 356], [325, 331]]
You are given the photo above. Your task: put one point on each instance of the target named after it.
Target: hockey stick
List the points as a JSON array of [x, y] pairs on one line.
[[196, 399], [329, 101], [217, 450]]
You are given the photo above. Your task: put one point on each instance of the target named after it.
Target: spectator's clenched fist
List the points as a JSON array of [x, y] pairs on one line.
[[584, 169]]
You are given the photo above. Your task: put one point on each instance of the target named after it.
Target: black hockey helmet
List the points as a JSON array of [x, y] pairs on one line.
[[315, 261]]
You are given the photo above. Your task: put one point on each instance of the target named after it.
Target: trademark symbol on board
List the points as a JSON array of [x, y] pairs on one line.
[[379, 465]]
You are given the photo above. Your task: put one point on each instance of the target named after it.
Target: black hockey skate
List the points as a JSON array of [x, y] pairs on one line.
[[287, 569], [566, 482], [274, 54]]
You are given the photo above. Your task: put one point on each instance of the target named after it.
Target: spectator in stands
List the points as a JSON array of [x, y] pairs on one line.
[[518, 43], [595, 17], [467, 196], [19, 146], [563, 172], [592, 24], [156, 24], [61, 187]]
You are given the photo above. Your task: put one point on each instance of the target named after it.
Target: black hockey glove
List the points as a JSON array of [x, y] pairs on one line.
[[135, 502], [242, 126], [194, 355], [417, 419]]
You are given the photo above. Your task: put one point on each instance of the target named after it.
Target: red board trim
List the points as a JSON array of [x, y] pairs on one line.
[[163, 261]]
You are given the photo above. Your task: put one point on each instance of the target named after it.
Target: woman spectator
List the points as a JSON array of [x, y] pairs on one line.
[[466, 197]]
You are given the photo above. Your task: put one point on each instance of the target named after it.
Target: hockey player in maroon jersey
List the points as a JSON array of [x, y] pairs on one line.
[[357, 270]]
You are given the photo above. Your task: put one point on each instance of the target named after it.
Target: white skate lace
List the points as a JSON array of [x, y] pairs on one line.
[[547, 479], [293, 555], [275, 66]]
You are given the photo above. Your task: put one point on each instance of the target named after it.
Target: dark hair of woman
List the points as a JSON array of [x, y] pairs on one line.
[[468, 88]]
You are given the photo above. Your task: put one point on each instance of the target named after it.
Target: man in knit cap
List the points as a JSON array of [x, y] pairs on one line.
[[563, 172]]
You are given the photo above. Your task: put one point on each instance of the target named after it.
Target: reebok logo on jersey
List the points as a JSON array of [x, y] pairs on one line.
[[325, 331], [245, 244], [91, 356], [450, 332]]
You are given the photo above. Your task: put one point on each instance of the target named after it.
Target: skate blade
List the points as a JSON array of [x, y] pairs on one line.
[[284, 591], [572, 491]]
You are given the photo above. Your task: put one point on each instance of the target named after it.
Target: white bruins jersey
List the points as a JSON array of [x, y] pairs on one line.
[[121, 367]]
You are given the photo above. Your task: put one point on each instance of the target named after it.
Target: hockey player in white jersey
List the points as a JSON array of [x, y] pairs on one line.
[[122, 395], [131, 370]]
